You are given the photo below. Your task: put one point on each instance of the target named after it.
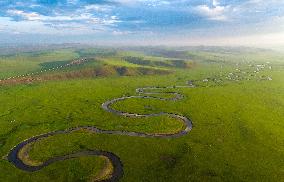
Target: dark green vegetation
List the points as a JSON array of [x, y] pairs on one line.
[[238, 127], [164, 63]]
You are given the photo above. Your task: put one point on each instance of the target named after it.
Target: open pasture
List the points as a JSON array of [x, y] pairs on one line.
[[235, 105]]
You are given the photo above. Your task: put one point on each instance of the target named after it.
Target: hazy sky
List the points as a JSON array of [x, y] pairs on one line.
[[173, 22]]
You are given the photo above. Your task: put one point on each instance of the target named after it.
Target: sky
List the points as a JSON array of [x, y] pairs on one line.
[[143, 22]]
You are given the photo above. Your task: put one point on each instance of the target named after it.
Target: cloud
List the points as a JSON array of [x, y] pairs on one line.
[[130, 18], [33, 16], [72, 1], [216, 12], [97, 8], [84, 17], [118, 32], [69, 23], [215, 3]]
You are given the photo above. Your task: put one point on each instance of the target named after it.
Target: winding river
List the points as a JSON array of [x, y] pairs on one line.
[[117, 173]]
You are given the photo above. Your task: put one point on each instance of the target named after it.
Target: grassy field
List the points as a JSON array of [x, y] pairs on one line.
[[238, 129], [18, 64]]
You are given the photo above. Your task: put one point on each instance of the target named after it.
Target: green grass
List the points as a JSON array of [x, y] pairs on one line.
[[237, 133], [27, 62]]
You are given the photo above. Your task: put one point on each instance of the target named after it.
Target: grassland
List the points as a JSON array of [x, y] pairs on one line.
[[18, 64], [238, 127]]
